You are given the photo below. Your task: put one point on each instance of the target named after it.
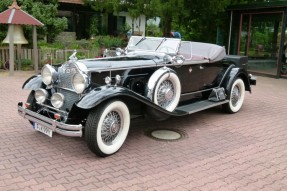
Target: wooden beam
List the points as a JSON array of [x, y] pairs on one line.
[[11, 50], [35, 50]]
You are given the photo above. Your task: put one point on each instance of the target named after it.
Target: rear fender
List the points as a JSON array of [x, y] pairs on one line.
[[233, 74]]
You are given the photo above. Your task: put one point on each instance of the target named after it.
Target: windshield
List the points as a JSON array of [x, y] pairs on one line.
[[165, 45]]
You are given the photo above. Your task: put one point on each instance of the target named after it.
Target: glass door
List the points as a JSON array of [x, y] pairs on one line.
[[260, 37]]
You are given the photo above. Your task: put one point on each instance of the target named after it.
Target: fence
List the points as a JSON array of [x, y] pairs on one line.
[[46, 56]]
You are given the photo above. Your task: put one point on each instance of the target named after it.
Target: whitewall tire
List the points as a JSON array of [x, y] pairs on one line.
[[167, 91], [107, 128], [237, 94]]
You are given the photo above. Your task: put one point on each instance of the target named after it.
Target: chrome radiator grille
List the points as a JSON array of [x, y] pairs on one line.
[[70, 98], [66, 73]]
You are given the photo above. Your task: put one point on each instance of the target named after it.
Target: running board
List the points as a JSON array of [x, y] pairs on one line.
[[199, 106]]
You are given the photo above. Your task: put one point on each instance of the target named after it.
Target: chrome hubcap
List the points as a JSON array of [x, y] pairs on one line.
[[165, 94], [111, 127], [235, 95]]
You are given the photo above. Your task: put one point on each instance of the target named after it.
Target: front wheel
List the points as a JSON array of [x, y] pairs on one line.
[[236, 97], [107, 128]]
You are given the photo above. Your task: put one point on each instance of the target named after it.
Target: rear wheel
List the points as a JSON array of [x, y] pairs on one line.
[[107, 128], [237, 95]]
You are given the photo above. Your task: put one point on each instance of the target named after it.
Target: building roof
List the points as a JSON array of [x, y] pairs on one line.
[[81, 2], [259, 5], [15, 15]]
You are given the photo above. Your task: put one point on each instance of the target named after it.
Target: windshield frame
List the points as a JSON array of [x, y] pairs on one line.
[[154, 44]]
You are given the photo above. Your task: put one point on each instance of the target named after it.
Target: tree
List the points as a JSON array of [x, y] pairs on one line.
[[46, 12], [134, 7]]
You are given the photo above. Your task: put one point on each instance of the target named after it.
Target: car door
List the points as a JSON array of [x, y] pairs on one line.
[[190, 73]]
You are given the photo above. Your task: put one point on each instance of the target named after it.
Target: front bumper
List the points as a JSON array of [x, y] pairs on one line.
[[55, 126]]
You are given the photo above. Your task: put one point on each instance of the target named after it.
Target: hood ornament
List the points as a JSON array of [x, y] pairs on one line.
[[73, 56]]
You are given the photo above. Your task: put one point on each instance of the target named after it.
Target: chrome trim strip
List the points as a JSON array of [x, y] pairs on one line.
[[53, 108], [123, 68], [55, 126]]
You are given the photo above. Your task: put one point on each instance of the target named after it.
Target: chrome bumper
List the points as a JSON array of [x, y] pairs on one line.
[[55, 126]]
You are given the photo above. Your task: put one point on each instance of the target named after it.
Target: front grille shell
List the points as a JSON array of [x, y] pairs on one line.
[[64, 84]]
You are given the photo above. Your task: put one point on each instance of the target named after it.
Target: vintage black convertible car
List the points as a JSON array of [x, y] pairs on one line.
[[153, 77]]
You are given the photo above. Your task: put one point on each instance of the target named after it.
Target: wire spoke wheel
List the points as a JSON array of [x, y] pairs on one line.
[[237, 94], [111, 127], [107, 127], [165, 94], [166, 89]]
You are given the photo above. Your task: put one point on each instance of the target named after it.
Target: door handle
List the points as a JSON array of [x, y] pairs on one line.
[[201, 67]]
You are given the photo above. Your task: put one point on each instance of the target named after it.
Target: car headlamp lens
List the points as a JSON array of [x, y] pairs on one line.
[[179, 59], [49, 74], [119, 51], [118, 79], [80, 82], [108, 80], [41, 95], [57, 100]]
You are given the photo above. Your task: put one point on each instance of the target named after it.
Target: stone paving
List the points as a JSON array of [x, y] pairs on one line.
[[243, 151]]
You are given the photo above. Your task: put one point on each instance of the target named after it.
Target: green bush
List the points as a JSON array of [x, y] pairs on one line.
[[26, 62], [108, 42]]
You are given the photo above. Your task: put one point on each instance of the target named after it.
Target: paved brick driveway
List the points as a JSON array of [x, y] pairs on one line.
[[245, 151]]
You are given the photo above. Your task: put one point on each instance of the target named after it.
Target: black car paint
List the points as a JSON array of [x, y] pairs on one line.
[[197, 82]]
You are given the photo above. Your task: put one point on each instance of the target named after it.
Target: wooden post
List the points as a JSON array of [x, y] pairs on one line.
[[11, 50], [19, 56], [35, 49]]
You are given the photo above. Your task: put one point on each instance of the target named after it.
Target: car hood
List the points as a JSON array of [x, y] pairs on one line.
[[131, 60]]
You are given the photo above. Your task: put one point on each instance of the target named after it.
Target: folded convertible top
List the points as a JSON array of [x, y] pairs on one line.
[[208, 51]]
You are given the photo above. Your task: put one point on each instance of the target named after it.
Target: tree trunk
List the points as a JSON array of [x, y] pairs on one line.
[[166, 24]]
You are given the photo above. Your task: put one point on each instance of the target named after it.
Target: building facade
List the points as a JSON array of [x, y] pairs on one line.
[[259, 31], [81, 18]]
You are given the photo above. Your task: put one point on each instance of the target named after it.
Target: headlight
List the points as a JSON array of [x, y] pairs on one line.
[[49, 74], [108, 80], [119, 51], [57, 100], [80, 82], [179, 59], [41, 95]]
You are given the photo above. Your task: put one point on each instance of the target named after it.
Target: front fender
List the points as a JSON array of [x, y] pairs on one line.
[[103, 93], [33, 83], [100, 94]]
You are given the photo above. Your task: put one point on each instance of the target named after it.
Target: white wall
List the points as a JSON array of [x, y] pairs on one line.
[[139, 23]]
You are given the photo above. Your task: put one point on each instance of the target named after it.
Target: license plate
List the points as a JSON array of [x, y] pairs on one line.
[[42, 129]]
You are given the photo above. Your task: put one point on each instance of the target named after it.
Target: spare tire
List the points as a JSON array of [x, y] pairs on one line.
[[164, 88]]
